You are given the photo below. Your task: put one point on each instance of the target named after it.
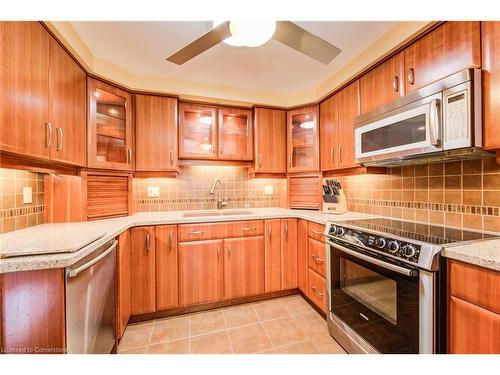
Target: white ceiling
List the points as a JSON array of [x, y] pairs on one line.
[[141, 48]]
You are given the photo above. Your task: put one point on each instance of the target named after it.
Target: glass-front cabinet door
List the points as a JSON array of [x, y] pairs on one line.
[[110, 127], [235, 134], [197, 132], [303, 142]]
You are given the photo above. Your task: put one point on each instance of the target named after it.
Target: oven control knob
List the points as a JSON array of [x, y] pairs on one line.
[[409, 251], [340, 231], [380, 242], [333, 229], [393, 247]]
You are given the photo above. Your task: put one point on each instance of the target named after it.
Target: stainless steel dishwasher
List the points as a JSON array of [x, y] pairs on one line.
[[90, 302]]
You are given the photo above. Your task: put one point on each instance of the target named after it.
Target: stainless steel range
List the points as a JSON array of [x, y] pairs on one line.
[[384, 284]]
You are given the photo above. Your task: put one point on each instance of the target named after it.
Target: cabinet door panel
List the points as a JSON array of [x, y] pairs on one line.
[[303, 140], [270, 140], [197, 132], [243, 267], [110, 127], [142, 270], [288, 254], [67, 111], [316, 231], [348, 105], [317, 257], [449, 48], [235, 134], [124, 287], [201, 272], [302, 254], [273, 255], [329, 133], [472, 329], [383, 84], [155, 133], [166, 267], [24, 89], [317, 290]]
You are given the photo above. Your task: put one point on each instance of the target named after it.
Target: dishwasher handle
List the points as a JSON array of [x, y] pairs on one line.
[[83, 267]]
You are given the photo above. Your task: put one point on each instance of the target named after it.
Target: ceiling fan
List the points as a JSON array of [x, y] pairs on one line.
[[256, 33]]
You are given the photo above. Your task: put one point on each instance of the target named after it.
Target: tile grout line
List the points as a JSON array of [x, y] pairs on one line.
[[227, 331], [264, 328]]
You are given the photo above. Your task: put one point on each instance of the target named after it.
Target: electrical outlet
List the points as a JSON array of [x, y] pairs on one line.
[[27, 195], [268, 190], [153, 191]]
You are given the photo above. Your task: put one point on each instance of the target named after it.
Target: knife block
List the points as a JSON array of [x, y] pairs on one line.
[[335, 204]]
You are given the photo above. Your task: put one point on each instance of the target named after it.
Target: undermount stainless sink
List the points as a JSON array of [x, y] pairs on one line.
[[216, 213]]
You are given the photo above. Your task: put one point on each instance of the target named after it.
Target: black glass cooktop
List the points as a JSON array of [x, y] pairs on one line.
[[422, 232]]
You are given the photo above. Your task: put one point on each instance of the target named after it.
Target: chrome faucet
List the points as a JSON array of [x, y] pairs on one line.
[[221, 203]]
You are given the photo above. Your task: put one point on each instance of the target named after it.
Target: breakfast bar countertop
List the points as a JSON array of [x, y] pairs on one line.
[[61, 245]]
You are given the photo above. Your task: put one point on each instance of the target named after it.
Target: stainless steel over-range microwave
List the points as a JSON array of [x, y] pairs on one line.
[[441, 119]]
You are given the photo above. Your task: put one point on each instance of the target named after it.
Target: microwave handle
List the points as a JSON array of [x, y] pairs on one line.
[[434, 115]]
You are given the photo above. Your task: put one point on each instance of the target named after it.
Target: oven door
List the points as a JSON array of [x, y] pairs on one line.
[[379, 301], [411, 130]]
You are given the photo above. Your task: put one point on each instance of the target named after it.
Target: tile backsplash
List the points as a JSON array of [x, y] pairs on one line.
[[190, 190], [13, 213], [459, 193]]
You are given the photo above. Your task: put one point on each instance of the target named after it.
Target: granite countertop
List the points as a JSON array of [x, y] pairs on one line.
[[61, 245], [485, 253]]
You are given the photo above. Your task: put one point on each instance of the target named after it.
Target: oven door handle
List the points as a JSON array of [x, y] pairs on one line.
[[389, 266]]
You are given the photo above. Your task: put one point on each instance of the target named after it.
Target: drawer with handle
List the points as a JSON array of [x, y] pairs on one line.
[[208, 231], [317, 290], [316, 231], [317, 256]]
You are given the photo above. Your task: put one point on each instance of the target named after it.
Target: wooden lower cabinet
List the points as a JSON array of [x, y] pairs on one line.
[[288, 254], [272, 251], [243, 267], [166, 267], [302, 253], [201, 272], [472, 329], [32, 312], [123, 283], [142, 270], [317, 290]]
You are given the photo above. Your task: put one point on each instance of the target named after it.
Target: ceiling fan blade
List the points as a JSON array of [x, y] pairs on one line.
[[303, 41], [201, 44]]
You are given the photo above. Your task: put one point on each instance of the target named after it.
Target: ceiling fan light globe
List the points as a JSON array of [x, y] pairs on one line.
[[249, 33]]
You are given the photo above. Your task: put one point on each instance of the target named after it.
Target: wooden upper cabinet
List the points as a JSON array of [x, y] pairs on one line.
[[382, 84], [201, 272], [24, 89], [451, 47], [303, 140], [491, 84], [110, 127], [329, 133], [348, 109], [197, 131], [288, 254], [67, 110], [235, 134], [166, 267], [270, 140], [243, 267], [155, 133], [142, 270]]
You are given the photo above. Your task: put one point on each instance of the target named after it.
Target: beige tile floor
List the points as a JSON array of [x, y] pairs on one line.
[[287, 325]]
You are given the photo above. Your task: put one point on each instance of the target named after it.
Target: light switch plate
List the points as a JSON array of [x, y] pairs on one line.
[[27, 195], [268, 190], [153, 191]]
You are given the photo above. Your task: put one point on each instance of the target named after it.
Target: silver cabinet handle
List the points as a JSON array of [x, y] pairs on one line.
[[411, 76], [332, 152], [59, 139], [248, 229], [148, 242], [340, 154], [221, 148], [129, 151], [315, 291], [170, 241], [286, 231], [289, 161], [218, 252], [48, 138], [195, 233], [229, 251], [317, 232], [213, 148], [269, 231], [171, 157], [317, 259], [395, 83], [260, 160], [76, 271]]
